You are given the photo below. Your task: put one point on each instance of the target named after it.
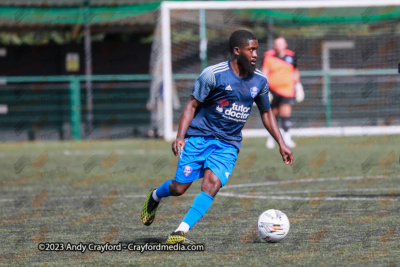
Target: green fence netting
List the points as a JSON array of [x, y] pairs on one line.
[[74, 15], [98, 14], [325, 15]]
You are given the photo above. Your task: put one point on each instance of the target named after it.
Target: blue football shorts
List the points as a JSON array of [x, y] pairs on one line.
[[205, 152]]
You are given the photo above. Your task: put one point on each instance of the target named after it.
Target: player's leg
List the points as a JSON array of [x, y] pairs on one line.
[[168, 188], [209, 188], [187, 171], [285, 112], [218, 168]]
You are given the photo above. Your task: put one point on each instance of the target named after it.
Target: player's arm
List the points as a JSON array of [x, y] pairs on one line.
[[186, 119], [204, 84], [299, 91], [270, 124], [269, 121], [296, 75]]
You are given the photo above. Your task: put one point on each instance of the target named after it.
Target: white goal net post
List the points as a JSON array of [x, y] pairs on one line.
[[328, 80]]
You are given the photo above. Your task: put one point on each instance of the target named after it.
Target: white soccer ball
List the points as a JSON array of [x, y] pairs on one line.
[[273, 225]]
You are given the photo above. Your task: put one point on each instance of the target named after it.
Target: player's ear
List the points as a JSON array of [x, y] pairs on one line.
[[236, 50]]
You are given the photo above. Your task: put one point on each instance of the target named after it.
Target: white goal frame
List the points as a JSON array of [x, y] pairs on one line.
[[166, 7]]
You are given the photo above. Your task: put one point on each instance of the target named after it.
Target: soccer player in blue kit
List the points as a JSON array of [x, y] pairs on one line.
[[209, 134]]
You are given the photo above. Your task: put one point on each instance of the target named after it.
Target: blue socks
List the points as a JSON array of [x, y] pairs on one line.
[[199, 207], [163, 190]]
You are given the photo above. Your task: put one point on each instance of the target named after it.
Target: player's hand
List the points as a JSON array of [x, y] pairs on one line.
[[178, 145], [299, 93], [286, 154]]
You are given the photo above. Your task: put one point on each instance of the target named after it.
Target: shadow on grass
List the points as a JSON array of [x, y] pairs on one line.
[[144, 240]]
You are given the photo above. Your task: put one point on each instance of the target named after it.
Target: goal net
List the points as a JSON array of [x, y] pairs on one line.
[[347, 54]]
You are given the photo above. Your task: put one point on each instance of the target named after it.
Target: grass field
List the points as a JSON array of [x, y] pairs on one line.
[[341, 197]]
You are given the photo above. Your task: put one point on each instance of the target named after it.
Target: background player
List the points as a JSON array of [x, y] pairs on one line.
[[280, 67], [211, 124]]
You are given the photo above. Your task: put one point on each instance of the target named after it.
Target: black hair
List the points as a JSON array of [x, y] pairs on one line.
[[240, 38]]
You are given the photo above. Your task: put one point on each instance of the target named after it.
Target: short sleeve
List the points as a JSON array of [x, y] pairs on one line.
[[262, 99], [204, 84]]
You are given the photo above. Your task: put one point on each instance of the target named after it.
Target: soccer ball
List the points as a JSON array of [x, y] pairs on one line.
[[273, 225]]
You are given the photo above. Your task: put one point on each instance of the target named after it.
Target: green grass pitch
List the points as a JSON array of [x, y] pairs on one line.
[[341, 197]]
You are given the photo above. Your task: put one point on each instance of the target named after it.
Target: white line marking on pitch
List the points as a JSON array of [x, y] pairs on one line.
[[331, 190], [107, 152], [90, 152], [306, 198], [94, 197], [243, 196], [78, 197], [296, 181]]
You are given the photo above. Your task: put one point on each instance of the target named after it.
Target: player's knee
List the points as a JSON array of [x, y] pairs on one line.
[[211, 186], [286, 123], [285, 110], [178, 189]]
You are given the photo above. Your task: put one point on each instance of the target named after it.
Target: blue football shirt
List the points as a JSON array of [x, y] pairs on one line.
[[226, 102]]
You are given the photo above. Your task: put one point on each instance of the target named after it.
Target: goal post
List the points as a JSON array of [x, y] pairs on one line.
[[342, 60], [167, 71]]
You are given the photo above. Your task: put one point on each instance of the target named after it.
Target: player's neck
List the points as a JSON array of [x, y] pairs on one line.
[[281, 54], [238, 69]]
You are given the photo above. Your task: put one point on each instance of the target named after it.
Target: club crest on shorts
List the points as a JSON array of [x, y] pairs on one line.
[[253, 91], [187, 170]]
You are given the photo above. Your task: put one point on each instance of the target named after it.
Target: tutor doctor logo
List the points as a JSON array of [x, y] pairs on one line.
[[235, 112]]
